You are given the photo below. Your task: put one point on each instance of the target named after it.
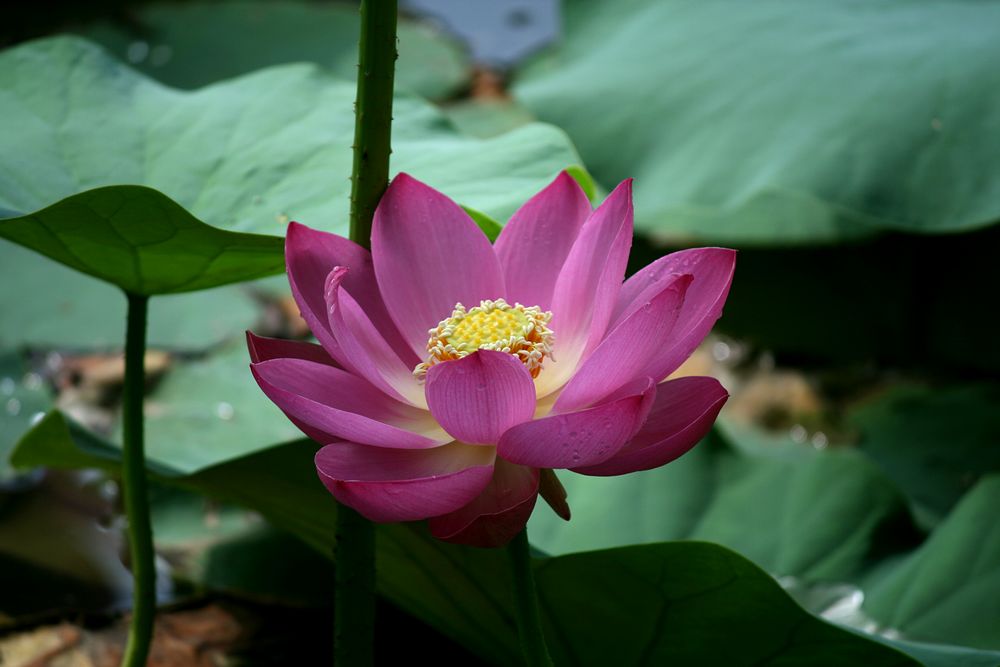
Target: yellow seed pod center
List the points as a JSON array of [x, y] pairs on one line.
[[478, 329], [492, 325]]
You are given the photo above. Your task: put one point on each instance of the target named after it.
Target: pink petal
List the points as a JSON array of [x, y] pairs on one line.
[[583, 438], [310, 255], [712, 269], [683, 412], [534, 244], [429, 255], [404, 485], [363, 350], [588, 285], [632, 350], [499, 513], [478, 397], [262, 349], [330, 404]]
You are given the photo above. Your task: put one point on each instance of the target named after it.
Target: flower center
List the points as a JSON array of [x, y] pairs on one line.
[[492, 325]]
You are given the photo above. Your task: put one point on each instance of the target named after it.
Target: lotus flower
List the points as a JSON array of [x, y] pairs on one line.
[[453, 375]]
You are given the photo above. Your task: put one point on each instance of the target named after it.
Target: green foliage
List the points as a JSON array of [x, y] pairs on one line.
[[462, 591], [793, 511], [663, 600], [169, 42], [141, 241], [934, 442], [210, 410], [230, 156], [947, 589], [782, 123], [73, 311]]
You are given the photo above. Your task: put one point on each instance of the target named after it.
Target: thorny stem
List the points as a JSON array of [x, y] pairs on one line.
[[529, 624], [373, 114], [140, 532], [354, 600]]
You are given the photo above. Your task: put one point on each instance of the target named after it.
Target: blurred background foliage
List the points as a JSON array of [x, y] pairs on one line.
[[850, 150]]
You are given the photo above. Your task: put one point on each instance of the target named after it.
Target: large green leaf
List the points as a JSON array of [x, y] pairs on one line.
[[776, 122], [934, 442], [179, 43], [940, 655], [141, 241], [681, 602], [246, 154], [72, 311], [792, 510], [948, 588]]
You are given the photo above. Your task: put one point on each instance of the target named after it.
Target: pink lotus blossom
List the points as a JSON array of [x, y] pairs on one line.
[[452, 375]]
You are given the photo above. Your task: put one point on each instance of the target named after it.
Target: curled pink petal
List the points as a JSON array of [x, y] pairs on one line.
[[478, 397], [429, 255], [682, 414], [630, 351], [310, 255], [404, 485], [329, 404], [262, 348], [588, 284], [536, 241], [497, 514], [582, 438], [712, 269], [363, 349]]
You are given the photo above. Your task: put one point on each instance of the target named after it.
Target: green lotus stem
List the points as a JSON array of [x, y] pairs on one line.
[[140, 532], [354, 600], [529, 622], [373, 114]]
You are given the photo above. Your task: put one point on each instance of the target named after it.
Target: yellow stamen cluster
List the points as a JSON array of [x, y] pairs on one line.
[[492, 325]]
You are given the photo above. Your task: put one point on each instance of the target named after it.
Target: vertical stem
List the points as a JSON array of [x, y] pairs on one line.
[[529, 624], [140, 533], [373, 114], [354, 603]]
